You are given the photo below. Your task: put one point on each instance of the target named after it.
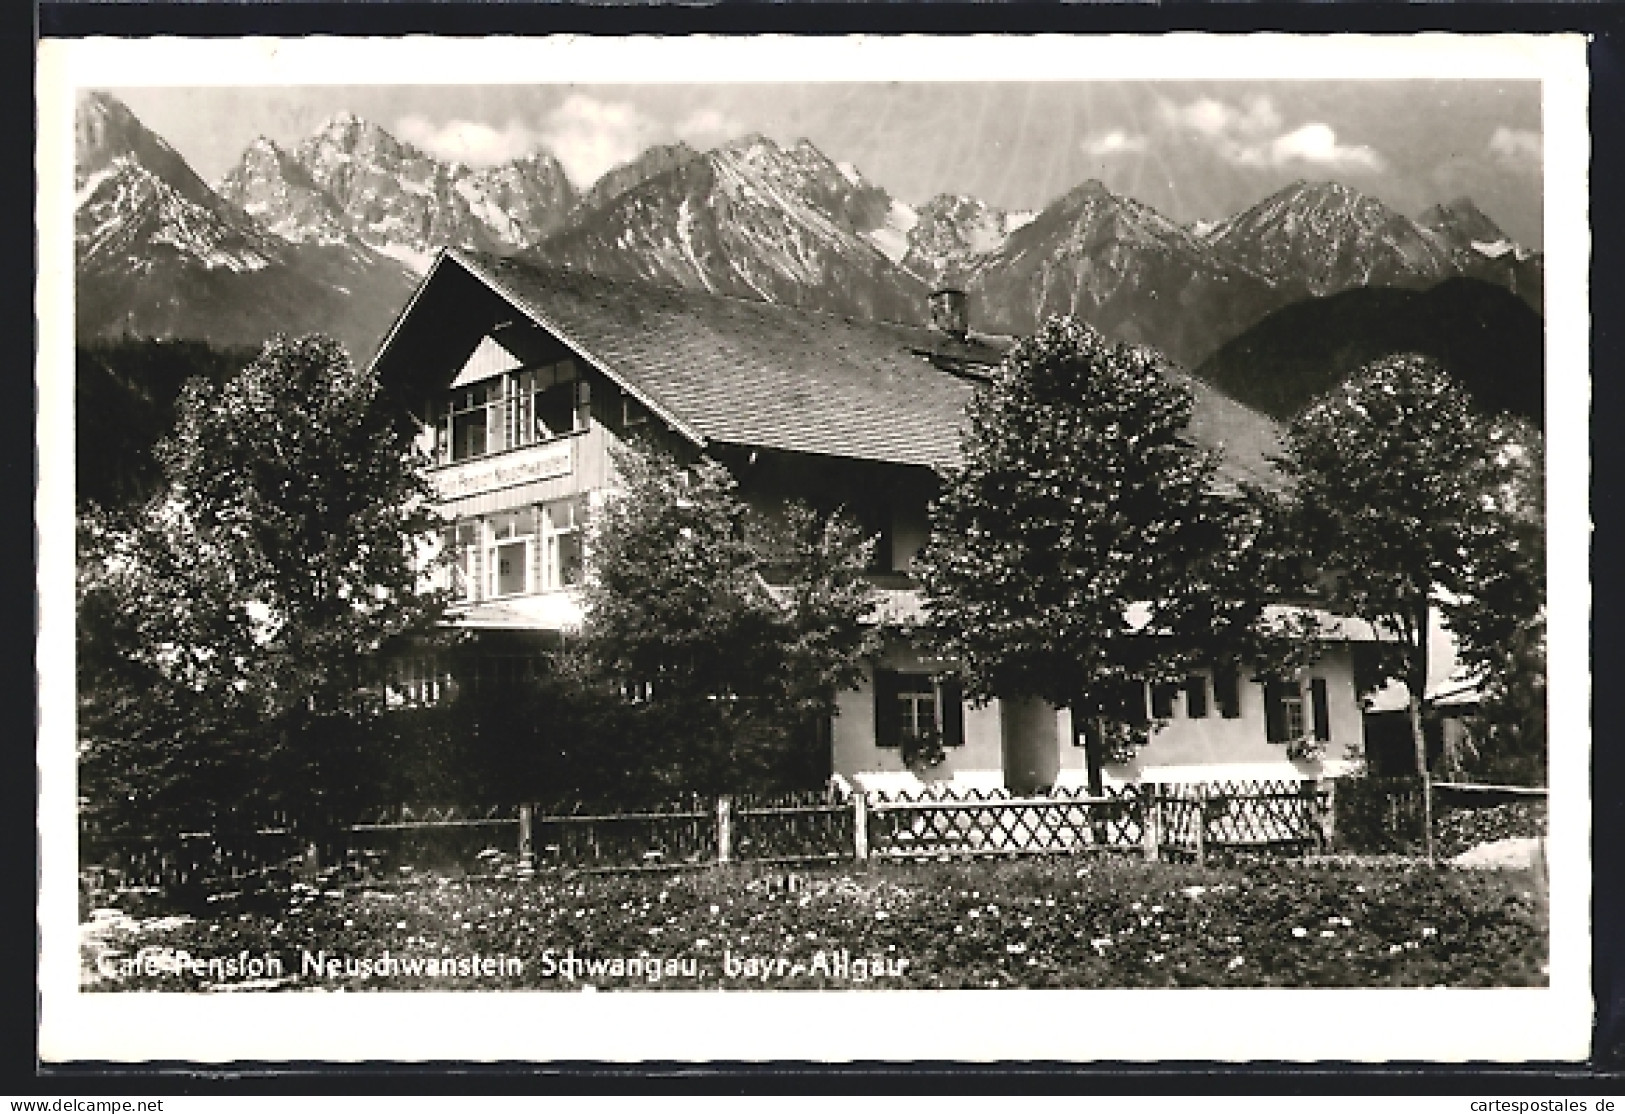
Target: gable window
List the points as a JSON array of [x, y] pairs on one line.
[[915, 707], [509, 411]]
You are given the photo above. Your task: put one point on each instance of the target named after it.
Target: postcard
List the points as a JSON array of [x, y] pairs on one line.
[[884, 548]]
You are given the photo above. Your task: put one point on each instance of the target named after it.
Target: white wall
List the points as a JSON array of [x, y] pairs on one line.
[[977, 762], [1207, 748]]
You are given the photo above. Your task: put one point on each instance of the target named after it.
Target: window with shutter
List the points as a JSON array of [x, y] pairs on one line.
[[1283, 710], [1322, 709], [1196, 696]]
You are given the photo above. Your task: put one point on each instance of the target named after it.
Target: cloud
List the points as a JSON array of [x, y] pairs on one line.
[[589, 136], [1514, 145], [1114, 142], [1316, 144], [708, 127], [1219, 121], [1251, 135], [467, 140]]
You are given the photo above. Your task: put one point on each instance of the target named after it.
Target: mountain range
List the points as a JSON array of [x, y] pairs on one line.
[[332, 233]]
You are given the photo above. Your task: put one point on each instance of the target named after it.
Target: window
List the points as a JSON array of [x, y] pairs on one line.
[[1283, 710], [418, 681], [915, 706], [1196, 696], [464, 541], [510, 537], [512, 410], [563, 521], [633, 414]]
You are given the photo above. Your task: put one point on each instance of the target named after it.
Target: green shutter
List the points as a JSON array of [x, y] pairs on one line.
[[886, 710], [951, 712], [1323, 712]]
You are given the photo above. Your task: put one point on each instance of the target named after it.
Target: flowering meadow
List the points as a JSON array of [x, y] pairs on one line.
[[1064, 922]]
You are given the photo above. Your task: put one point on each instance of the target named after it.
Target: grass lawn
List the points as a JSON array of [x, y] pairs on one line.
[[1057, 922]]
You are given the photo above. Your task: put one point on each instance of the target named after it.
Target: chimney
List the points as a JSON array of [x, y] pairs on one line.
[[948, 312]]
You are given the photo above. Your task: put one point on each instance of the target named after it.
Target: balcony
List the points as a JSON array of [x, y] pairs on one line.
[[509, 468]]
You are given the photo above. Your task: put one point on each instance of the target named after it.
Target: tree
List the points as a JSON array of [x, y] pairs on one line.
[[1075, 548], [1401, 489], [125, 392], [730, 677], [232, 632], [1501, 627]]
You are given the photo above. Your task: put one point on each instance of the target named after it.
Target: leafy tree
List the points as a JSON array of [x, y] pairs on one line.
[[730, 677], [1081, 545], [125, 392], [231, 632], [1403, 489], [1501, 627]]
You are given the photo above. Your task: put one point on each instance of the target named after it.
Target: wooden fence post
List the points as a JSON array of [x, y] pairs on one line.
[[1328, 818], [860, 825], [1150, 820], [725, 834], [527, 851], [1309, 791], [1201, 824]]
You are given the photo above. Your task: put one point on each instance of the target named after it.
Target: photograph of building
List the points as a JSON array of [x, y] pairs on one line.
[[527, 376], [1022, 532]]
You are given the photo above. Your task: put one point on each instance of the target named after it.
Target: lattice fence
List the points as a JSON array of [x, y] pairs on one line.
[[993, 823], [1251, 816], [1182, 821]]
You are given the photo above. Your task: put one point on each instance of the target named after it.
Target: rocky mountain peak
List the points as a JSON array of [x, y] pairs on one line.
[[105, 130], [1462, 222], [1324, 236], [651, 163], [272, 185]]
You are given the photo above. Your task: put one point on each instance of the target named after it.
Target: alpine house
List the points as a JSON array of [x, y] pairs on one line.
[[523, 378]]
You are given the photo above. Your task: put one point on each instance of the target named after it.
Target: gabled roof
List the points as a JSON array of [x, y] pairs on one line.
[[755, 374]]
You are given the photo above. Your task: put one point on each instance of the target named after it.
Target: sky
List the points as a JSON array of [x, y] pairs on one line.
[[1192, 150]]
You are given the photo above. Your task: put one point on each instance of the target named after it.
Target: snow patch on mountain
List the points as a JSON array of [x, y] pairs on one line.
[[891, 237]]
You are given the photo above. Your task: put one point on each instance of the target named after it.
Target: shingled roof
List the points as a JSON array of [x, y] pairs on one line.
[[757, 374], [779, 377]]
